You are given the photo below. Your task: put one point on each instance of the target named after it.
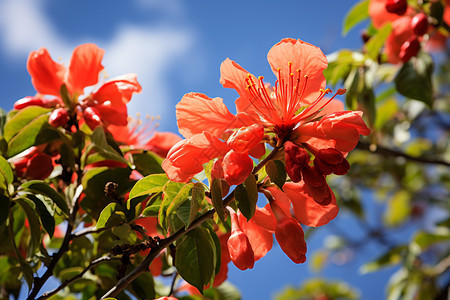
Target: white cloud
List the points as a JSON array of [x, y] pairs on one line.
[[148, 51]]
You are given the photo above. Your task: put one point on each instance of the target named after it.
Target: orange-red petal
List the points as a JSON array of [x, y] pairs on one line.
[[186, 158], [302, 56], [197, 112], [85, 66], [118, 90], [307, 211], [47, 75]]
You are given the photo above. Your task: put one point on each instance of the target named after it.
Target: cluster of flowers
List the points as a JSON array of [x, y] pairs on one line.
[[411, 27], [63, 90], [310, 132], [295, 117]]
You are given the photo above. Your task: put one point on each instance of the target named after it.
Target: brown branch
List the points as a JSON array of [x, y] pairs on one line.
[[390, 152], [40, 281], [76, 277]]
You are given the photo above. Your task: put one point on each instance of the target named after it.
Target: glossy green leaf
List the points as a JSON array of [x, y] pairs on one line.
[[170, 190], [414, 79], [194, 259], [153, 206], [375, 43], [29, 135], [149, 185], [110, 216], [148, 163], [21, 119], [102, 146], [276, 171], [183, 212], [198, 195], [358, 13], [216, 197], [246, 195], [40, 187], [181, 197], [46, 212], [6, 171]]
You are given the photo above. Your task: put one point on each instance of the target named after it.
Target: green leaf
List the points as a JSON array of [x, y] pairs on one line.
[[424, 239], [21, 119], [148, 163], [34, 133], [153, 206], [4, 209], [385, 112], [194, 259], [34, 225], [391, 257], [355, 15], [111, 215], [398, 209], [5, 170], [45, 209], [102, 146], [2, 121], [183, 212], [149, 185], [246, 195], [354, 85], [375, 43], [198, 194], [171, 190], [276, 171], [180, 198], [216, 195], [40, 187], [414, 79]]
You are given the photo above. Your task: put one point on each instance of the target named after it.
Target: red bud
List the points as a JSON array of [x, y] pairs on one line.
[[419, 24], [239, 248], [236, 167], [92, 117], [409, 49], [28, 101], [398, 7], [246, 138], [59, 117]]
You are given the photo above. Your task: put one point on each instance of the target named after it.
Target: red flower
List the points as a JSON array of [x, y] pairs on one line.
[[296, 99], [107, 105]]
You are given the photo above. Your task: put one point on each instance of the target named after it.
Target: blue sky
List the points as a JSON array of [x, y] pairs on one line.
[[177, 47]]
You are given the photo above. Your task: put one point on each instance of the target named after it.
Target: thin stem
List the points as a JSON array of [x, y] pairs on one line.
[[390, 152], [172, 286], [76, 277], [265, 160], [89, 230]]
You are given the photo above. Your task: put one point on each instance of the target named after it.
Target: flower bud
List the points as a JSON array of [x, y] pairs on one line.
[[236, 167], [296, 154], [246, 138], [342, 168], [419, 24], [39, 166], [289, 235], [239, 248], [59, 117], [329, 160], [28, 101], [398, 7], [92, 117], [293, 170], [409, 49], [313, 177]]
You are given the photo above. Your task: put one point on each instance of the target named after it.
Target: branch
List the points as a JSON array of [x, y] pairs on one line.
[[89, 230], [40, 281], [76, 277], [390, 152]]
